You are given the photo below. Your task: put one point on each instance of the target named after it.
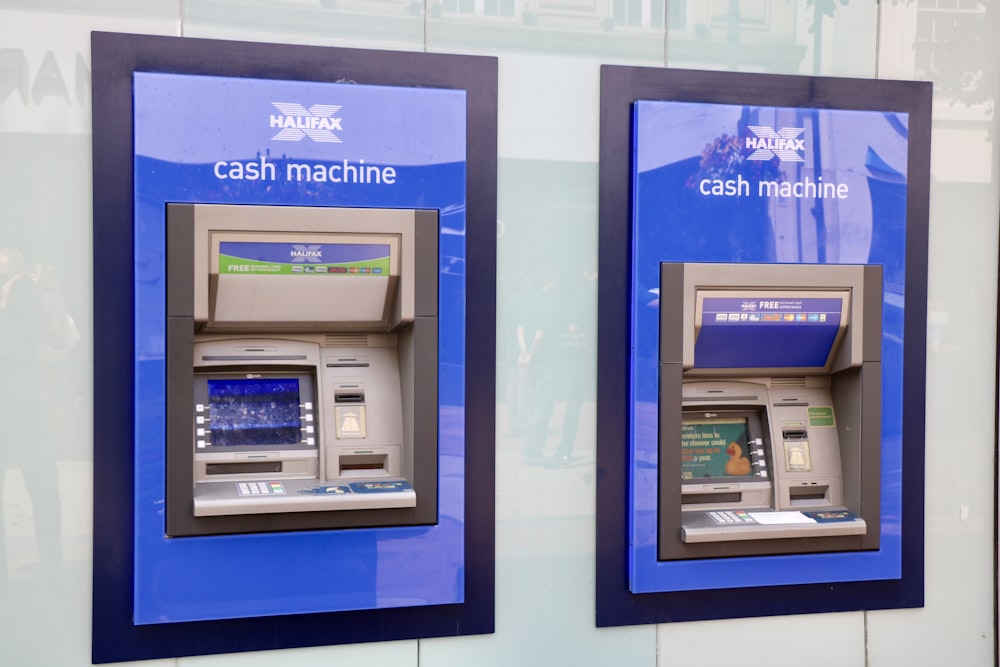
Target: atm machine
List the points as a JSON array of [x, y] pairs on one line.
[[301, 368], [770, 409]]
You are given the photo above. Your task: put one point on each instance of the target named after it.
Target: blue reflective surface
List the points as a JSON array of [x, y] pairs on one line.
[[216, 140], [698, 198]]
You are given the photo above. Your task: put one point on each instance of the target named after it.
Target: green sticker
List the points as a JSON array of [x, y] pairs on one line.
[[822, 416]]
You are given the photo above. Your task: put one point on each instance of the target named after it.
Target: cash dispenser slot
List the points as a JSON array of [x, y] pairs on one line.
[[364, 464], [764, 370], [715, 496], [250, 467], [347, 363], [809, 494], [295, 336]]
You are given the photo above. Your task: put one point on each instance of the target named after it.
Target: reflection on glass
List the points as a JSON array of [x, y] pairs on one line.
[[385, 23], [359, 23], [623, 28], [546, 338], [37, 334], [949, 48], [752, 35], [46, 469], [553, 337], [781, 36]]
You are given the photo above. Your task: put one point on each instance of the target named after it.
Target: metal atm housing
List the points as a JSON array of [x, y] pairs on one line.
[[301, 368], [770, 409]]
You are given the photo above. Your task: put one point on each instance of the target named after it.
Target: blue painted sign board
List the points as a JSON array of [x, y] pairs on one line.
[[748, 183], [225, 140]]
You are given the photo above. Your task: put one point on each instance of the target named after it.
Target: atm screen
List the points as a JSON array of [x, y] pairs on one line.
[[253, 412], [717, 446]]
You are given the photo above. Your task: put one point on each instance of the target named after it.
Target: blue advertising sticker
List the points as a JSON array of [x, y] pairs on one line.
[[735, 183], [767, 332], [763, 305]]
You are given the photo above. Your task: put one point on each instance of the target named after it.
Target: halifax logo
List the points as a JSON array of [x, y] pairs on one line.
[[785, 143], [296, 122], [306, 254]]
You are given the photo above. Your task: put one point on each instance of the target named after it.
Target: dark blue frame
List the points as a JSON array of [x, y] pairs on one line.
[[620, 87], [115, 57]]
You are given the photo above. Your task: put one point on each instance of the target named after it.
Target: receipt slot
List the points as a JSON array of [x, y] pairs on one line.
[[301, 368], [770, 409]]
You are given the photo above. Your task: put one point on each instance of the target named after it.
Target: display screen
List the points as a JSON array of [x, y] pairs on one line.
[[253, 412], [715, 447]]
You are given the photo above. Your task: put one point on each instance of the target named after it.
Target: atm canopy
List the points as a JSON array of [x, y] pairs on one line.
[[313, 270], [773, 319]]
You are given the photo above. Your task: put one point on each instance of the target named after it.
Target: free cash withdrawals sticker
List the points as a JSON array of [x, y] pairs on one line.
[[237, 257]]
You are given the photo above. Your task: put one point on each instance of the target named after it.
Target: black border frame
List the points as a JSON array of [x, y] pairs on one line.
[[115, 56], [620, 87]]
